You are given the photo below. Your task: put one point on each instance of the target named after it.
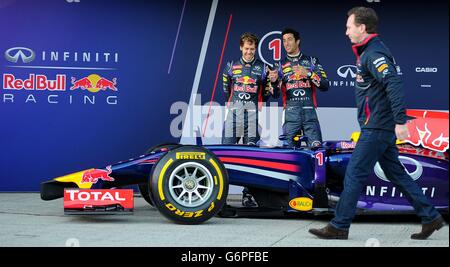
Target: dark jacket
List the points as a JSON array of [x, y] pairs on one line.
[[379, 89]]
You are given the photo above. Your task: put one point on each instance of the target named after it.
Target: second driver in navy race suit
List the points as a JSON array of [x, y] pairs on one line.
[[299, 76]]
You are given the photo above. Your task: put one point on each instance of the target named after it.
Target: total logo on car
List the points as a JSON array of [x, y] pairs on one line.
[[92, 200]]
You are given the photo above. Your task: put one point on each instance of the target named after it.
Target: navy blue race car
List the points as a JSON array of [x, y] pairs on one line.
[[189, 183]]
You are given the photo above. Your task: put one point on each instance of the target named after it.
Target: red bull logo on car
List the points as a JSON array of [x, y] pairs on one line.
[[429, 129], [94, 83], [347, 145], [93, 175]]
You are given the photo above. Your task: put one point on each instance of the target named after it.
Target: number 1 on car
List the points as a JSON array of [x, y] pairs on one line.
[[319, 157]]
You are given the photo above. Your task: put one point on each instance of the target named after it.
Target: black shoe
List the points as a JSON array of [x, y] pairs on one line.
[[329, 232], [428, 229]]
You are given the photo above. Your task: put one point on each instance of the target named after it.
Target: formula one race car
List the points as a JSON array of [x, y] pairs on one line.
[[189, 183]]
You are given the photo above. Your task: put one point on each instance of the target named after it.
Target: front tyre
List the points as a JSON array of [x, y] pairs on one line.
[[144, 188], [189, 185]]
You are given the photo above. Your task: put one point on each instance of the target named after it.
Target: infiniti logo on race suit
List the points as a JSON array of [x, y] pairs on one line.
[[299, 92], [26, 55], [244, 96], [414, 174], [345, 70]]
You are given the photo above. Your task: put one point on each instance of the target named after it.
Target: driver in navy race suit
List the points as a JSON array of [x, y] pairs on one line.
[[247, 82], [300, 75], [244, 81]]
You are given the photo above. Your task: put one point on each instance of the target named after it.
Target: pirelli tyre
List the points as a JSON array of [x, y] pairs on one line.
[[189, 185], [144, 188]]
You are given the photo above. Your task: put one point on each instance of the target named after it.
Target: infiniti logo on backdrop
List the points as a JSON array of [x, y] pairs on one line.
[[26, 55], [345, 70], [346, 76], [38, 80]]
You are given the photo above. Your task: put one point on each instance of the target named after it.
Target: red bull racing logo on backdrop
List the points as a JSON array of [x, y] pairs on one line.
[[34, 82], [429, 129], [58, 85], [94, 83], [50, 88]]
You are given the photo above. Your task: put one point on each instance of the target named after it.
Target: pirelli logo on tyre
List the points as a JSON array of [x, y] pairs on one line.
[[188, 214], [191, 155]]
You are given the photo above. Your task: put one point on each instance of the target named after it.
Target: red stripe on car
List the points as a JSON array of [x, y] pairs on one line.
[[262, 163]]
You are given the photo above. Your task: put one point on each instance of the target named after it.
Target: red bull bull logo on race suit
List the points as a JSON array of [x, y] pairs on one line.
[[245, 84], [246, 80], [296, 77]]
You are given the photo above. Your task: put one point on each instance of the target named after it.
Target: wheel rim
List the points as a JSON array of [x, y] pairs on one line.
[[191, 184]]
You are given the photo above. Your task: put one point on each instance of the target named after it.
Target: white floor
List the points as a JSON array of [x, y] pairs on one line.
[[26, 220]]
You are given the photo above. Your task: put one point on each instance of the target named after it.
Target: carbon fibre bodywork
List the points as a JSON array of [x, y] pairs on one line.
[[286, 179]]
